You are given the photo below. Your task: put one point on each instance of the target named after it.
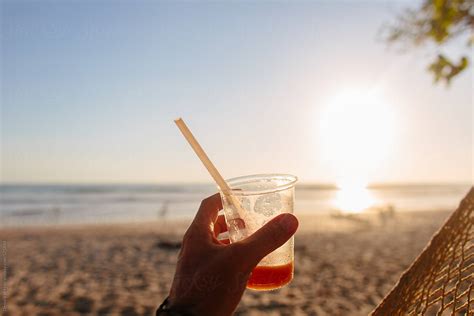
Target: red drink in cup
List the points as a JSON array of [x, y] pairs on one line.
[[270, 277]]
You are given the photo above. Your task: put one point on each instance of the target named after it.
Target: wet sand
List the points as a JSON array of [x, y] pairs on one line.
[[343, 266]]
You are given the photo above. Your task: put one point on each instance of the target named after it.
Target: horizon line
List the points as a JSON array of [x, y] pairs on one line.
[[328, 185]]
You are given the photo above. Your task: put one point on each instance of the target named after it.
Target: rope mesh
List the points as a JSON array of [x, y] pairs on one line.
[[440, 281]]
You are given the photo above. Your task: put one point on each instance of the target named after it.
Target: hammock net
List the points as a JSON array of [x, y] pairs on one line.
[[440, 280]]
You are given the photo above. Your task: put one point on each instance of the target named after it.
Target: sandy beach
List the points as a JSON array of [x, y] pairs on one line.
[[344, 266]]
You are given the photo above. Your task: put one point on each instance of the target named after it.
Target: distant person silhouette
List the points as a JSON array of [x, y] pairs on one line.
[[163, 211]]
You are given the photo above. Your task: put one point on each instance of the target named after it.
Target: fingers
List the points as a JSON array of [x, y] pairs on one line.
[[268, 238], [220, 225], [220, 228], [208, 210], [206, 215]]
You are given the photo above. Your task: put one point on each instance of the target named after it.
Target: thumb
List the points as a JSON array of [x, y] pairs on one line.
[[268, 238]]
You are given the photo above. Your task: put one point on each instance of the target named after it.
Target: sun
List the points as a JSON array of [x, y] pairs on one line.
[[357, 130]]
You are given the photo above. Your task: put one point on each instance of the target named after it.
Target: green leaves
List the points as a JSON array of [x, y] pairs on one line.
[[437, 21], [444, 70]]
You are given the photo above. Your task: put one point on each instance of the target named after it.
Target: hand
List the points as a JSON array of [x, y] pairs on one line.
[[210, 275]]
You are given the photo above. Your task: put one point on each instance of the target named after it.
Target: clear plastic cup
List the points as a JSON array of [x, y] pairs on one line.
[[263, 197]]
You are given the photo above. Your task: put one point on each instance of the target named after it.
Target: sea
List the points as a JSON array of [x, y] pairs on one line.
[[39, 204]]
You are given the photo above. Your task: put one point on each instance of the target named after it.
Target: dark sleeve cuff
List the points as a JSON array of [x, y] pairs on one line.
[[165, 310]]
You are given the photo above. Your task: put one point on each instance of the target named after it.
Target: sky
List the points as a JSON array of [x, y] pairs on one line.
[[89, 91]]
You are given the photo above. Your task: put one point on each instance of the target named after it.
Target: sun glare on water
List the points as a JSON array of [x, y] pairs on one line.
[[357, 132], [352, 198]]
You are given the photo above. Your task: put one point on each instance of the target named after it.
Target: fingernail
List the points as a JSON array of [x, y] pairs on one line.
[[288, 222]]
